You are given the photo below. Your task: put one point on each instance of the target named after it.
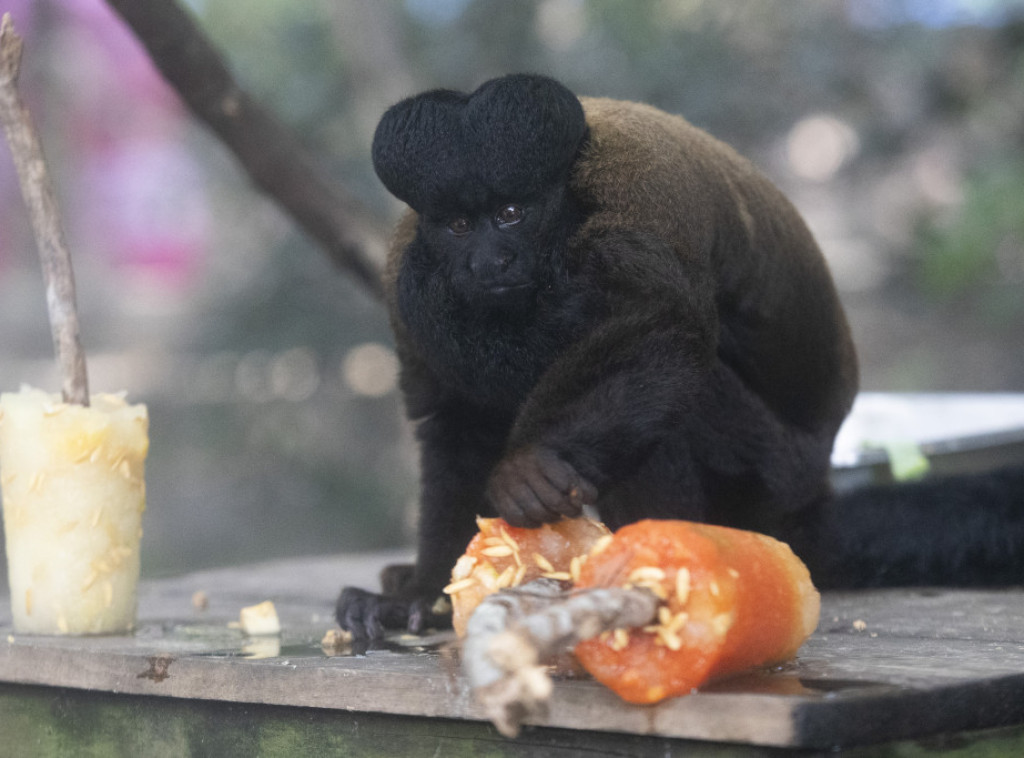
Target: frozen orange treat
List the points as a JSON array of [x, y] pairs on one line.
[[501, 556], [731, 600], [73, 495]]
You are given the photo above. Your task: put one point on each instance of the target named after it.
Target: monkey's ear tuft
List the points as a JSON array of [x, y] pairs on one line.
[[418, 145], [527, 131], [444, 150]]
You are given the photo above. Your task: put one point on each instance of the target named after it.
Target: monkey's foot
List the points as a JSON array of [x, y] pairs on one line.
[[368, 615]]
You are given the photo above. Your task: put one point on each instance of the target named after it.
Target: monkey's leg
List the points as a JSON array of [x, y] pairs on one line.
[[459, 446], [731, 461]]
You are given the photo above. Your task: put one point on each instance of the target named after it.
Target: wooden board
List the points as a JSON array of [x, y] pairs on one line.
[[883, 666]]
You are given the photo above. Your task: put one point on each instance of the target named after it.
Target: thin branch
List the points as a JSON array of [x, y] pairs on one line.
[[271, 155], [512, 632], [37, 189]]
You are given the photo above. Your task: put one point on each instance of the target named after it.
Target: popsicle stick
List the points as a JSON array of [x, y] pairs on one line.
[[37, 190]]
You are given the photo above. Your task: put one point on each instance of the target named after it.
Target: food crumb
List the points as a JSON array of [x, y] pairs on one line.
[[336, 641], [200, 600], [860, 625], [260, 619]]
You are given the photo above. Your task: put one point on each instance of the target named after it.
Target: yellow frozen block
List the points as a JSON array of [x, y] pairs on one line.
[[73, 484]]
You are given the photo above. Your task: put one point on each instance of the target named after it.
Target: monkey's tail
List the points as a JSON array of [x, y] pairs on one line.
[[964, 530]]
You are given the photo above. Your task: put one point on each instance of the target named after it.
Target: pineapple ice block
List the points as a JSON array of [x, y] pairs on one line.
[[73, 495]]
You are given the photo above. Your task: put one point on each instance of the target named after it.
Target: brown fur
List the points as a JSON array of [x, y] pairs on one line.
[[644, 168], [657, 335]]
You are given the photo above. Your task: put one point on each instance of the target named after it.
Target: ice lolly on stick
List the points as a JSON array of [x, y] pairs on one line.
[[731, 600], [73, 495], [71, 475]]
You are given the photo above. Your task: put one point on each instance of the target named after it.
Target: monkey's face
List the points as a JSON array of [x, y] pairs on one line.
[[486, 172], [495, 255]]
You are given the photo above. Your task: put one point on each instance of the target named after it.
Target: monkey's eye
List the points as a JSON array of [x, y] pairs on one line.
[[460, 226], [510, 214]]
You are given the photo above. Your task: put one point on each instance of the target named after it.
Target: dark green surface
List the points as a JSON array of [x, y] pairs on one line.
[[47, 722]]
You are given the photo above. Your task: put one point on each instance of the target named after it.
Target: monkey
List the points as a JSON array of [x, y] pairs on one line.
[[596, 303]]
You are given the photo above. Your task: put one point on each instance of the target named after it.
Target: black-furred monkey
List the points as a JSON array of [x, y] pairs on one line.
[[596, 302]]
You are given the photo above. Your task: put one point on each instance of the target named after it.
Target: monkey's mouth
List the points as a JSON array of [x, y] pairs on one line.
[[506, 293], [508, 288]]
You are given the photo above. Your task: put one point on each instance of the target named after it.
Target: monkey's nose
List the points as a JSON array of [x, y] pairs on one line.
[[490, 265]]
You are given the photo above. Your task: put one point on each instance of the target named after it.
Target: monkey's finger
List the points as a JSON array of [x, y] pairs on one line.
[[576, 491], [587, 492], [531, 506], [570, 505], [561, 474], [546, 493], [352, 612], [417, 618], [374, 626], [514, 502], [518, 517]]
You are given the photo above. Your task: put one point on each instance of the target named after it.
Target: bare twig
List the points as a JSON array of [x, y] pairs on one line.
[[271, 155], [512, 632], [37, 190]]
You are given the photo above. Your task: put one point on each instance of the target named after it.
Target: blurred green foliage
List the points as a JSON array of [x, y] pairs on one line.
[[977, 254]]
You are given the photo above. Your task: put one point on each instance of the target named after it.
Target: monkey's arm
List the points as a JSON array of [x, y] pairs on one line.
[[614, 394], [458, 448]]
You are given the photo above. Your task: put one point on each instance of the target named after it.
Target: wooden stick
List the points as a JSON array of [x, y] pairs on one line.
[[37, 190], [512, 632]]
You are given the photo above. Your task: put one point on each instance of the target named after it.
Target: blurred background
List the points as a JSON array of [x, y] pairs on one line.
[[895, 125]]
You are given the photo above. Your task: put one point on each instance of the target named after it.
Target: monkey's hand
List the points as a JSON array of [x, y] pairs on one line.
[[535, 486], [368, 615]]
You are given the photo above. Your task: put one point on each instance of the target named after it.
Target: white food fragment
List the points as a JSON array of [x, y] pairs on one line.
[[721, 624], [683, 585], [260, 619], [543, 563], [498, 551], [601, 544], [459, 586], [463, 567]]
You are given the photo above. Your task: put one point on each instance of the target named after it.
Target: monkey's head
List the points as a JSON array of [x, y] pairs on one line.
[[487, 172]]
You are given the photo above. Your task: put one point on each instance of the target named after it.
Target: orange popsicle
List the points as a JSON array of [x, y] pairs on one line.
[[731, 600]]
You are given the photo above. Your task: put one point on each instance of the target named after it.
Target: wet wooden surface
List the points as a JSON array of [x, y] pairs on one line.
[[883, 666]]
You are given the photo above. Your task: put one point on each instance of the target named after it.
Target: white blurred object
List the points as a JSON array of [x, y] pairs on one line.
[[956, 432]]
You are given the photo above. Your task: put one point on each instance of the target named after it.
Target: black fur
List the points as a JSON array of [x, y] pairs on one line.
[[511, 139], [600, 303], [965, 530]]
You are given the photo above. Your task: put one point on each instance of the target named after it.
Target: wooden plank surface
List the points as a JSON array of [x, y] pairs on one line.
[[883, 666]]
